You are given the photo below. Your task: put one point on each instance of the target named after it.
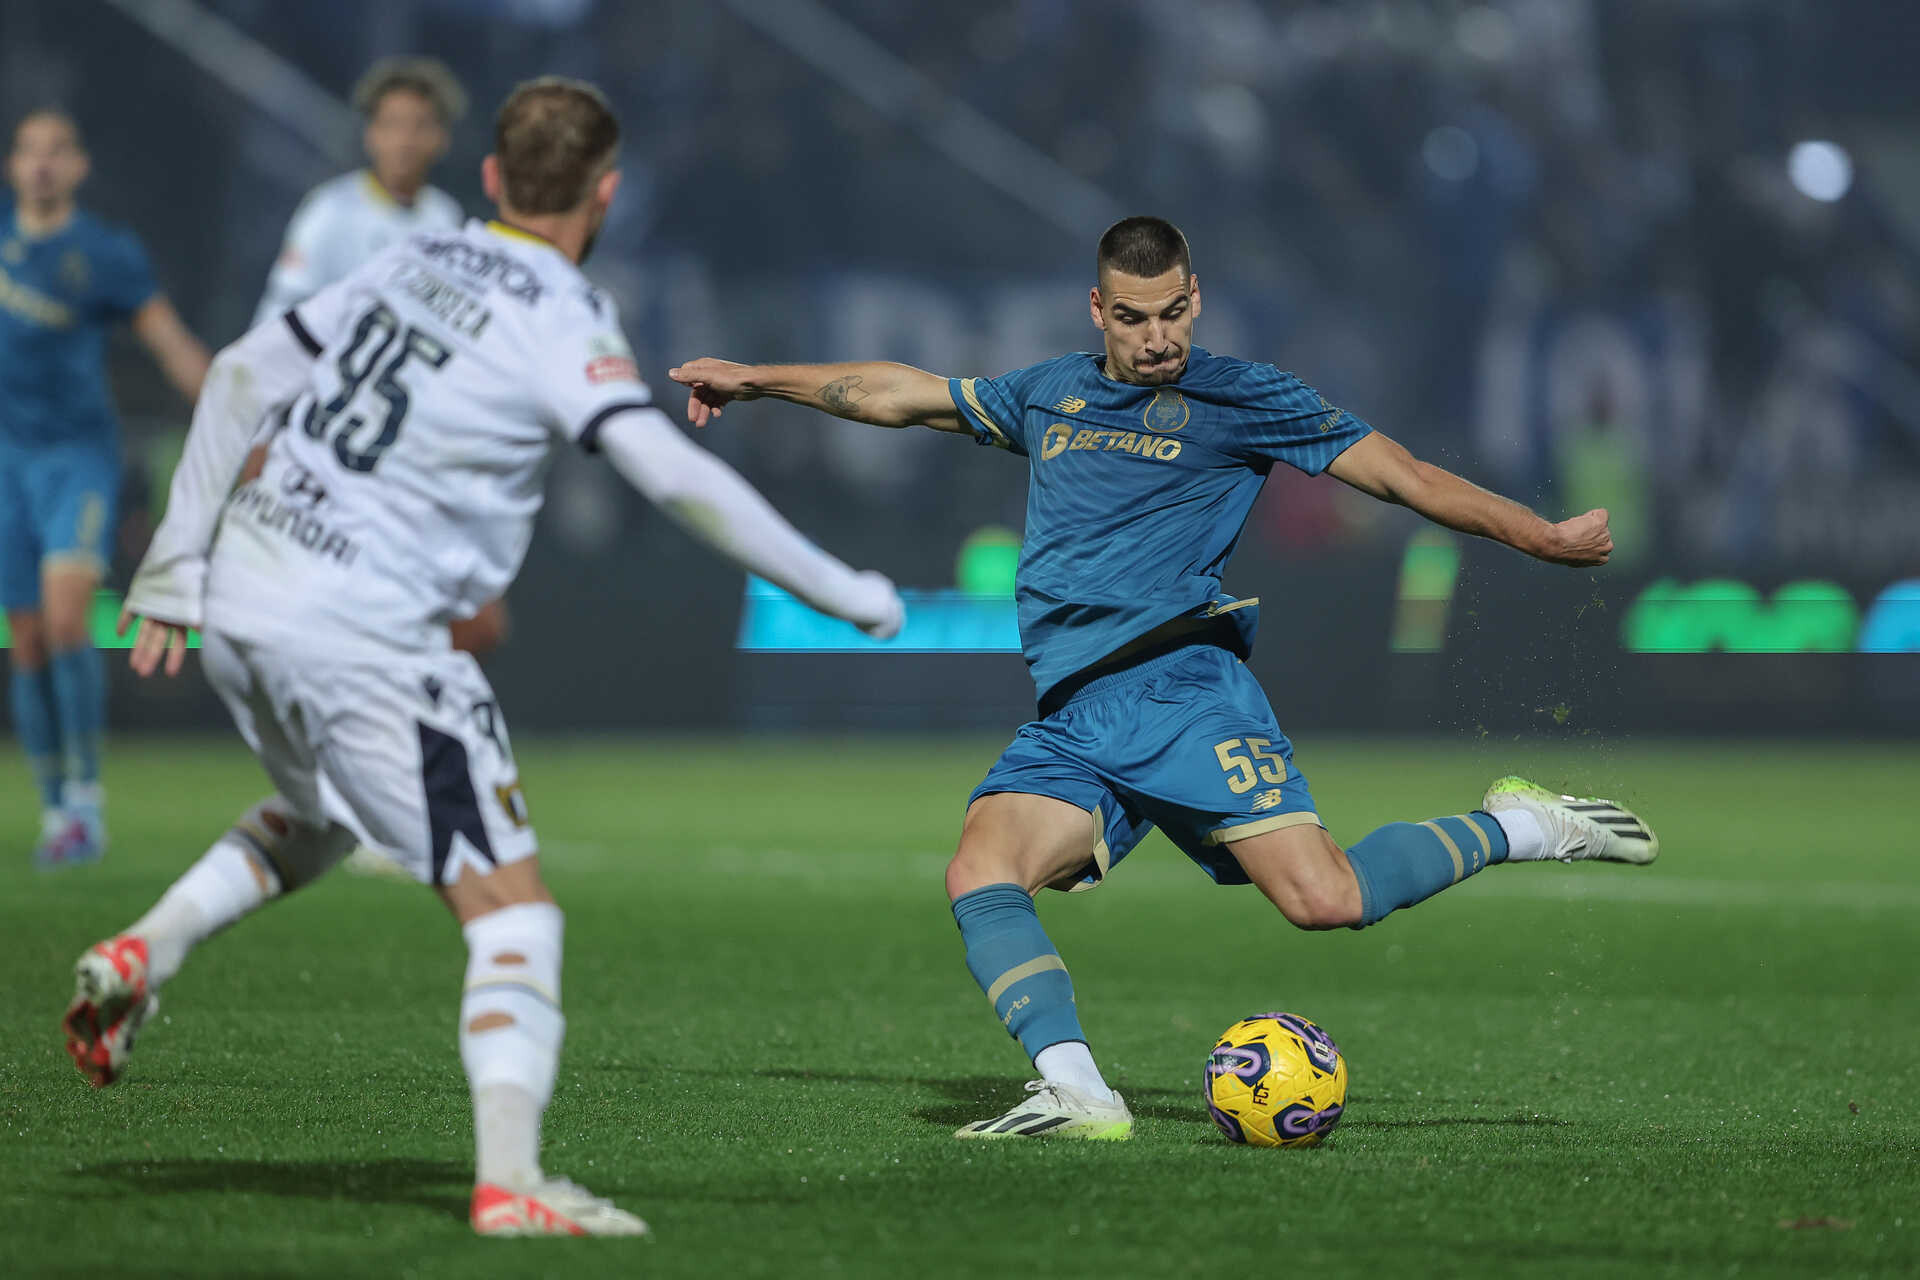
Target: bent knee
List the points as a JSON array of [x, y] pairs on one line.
[[1318, 906]]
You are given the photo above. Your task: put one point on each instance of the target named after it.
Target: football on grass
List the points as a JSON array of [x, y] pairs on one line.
[[1276, 1080]]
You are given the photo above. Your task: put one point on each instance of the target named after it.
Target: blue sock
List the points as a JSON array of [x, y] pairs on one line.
[[1407, 862], [31, 698], [1014, 962], [80, 700]]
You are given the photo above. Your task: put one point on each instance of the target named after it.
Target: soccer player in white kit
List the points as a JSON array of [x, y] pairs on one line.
[[422, 397], [410, 106]]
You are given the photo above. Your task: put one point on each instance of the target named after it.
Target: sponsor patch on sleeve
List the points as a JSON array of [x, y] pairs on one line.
[[612, 369], [611, 360]]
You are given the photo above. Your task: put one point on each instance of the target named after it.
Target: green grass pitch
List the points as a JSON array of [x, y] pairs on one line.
[[1705, 1067]]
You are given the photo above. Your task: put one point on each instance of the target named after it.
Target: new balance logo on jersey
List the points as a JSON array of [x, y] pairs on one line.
[[1268, 800], [1070, 405]]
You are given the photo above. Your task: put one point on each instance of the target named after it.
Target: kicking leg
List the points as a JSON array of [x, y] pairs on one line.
[[1012, 845], [1317, 885]]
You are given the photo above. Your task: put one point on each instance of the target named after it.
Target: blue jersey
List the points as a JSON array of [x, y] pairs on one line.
[[1138, 493], [59, 294]]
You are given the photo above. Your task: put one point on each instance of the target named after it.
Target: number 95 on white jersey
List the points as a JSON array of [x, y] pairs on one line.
[[401, 488]]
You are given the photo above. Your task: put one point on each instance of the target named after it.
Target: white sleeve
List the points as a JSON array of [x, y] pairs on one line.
[[712, 502], [258, 375], [587, 372], [302, 269]]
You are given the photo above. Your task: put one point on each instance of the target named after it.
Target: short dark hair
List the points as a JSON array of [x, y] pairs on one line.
[[1143, 246], [554, 138], [50, 112], [428, 77]]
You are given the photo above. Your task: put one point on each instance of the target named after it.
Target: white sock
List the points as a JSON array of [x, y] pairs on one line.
[[1526, 842], [1071, 1062], [510, 1033], [217, 890]]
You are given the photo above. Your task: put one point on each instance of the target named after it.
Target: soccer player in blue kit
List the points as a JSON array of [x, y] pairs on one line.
[[1145, 459], [65, 279]]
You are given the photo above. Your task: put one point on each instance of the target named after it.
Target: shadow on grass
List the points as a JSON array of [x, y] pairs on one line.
[[973, 1098], [441, 1186]]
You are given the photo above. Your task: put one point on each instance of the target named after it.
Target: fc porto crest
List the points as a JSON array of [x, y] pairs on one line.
[[1166, 412]]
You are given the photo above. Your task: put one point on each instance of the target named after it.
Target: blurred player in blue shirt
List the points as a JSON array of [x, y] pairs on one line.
[[65, 279], [1145, 458]]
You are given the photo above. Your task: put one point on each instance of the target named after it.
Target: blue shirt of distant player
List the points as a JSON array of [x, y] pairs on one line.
[[1137, 493], [59, 295]]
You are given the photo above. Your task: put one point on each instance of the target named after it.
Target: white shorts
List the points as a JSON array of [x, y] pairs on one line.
[[414, 745]]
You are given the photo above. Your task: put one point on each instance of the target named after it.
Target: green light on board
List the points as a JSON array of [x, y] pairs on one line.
[[104, 618], [1428, 573], [989, 560], [1810, 616]]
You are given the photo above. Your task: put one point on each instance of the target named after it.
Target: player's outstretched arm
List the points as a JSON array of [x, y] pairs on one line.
[[1383, 468], [255, 376], [709, 499], [875, 392]]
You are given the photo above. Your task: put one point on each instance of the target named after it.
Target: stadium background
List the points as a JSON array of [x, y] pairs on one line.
[[1556, 243], [1578, 250]]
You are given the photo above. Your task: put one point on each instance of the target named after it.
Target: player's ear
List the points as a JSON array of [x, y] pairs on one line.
[[1193, 296], [490, 178], [603, 190], [1094, 305]]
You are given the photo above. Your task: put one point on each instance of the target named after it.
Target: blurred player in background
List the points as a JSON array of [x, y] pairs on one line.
[[411, 106], [65, 279], [1145, 460], [423, 397]]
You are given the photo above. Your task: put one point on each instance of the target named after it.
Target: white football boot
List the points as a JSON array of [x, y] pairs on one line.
[[1058, 1111], [111, 1001], [554, 1207], [1577, 828]]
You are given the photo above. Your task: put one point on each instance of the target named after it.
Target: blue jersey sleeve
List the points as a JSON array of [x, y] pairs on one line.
[[996, 408], [1285, 420], [126, 278]]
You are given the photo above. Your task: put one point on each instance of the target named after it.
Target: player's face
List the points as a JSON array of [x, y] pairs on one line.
[[47, 164], [1148, 324], [404, 139]]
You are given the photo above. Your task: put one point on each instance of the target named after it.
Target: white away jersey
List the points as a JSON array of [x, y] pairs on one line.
[[400, 492], [342, 223]]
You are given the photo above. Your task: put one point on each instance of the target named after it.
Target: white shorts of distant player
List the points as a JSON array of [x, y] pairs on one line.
[[414, 747]]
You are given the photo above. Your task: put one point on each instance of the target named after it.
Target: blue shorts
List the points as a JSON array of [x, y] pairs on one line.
[[1185, 742], [56, 504]]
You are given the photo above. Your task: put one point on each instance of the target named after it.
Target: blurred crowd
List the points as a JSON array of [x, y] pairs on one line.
[[1655, 254]]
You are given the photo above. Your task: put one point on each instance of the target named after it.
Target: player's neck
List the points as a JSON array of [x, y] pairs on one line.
[[563, 231], [37, 221], [401, 193]]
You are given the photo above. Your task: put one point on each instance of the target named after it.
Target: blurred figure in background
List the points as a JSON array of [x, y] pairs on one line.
[[411, 106], [65, 278]]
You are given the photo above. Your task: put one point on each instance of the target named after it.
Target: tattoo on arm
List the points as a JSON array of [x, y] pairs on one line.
[[842, 394]]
